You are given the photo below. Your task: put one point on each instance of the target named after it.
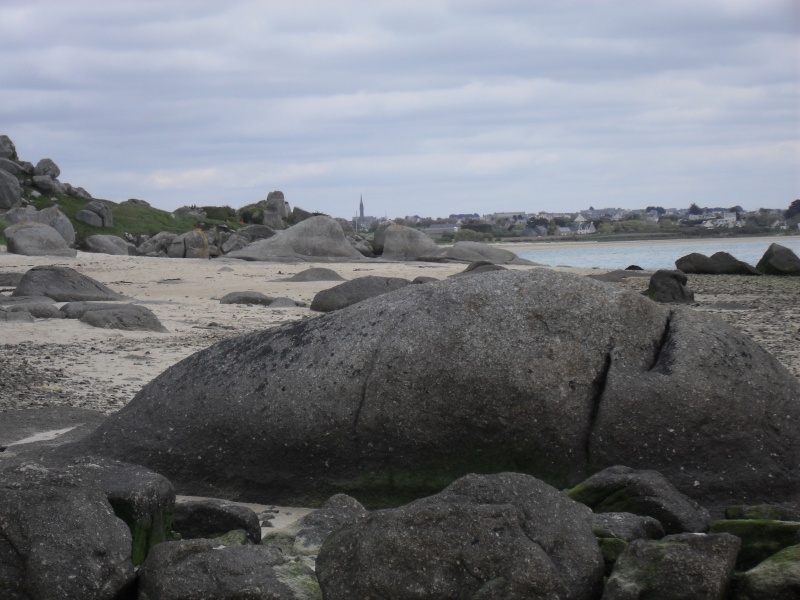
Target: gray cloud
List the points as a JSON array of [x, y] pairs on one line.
[[424, 107]]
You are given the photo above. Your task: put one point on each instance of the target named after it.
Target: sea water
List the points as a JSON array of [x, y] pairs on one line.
[[648, 254]]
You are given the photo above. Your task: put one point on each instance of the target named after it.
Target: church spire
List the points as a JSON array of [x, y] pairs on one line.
[[361, 207]]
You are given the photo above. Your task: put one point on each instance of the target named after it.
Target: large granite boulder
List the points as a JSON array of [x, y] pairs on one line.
[[355, 290], [59, 538], [406, 243], [63, 284], [379, 237], [48, 185], [313, 240], [109, 244], [476, 251], [276, 209], [719, 263], [779, 260], [246, 235], [776, 578], [96, 213], [534, 371], [10, 191], [36, 239], [129, 317], [51, 216], [485, 536], [13, 167]]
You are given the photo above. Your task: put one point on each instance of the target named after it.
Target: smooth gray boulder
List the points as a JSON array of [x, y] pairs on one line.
[[10, 279], [645, 493], [476, 251], [109, 244], [75, 310], [51, 216], [63, 284], [210, 518], [313, 240], [403, 243], [36, 239], [779, 260], [533, 371], [130, 317], [284, 302], [677, 566], [10, 191], [47, 167], [355, 290], [96, 213], [59, 538], [7, 316], [203, 570], [246, 298], [669, 286], [246, 235], [485, 536], [38, 310], [315, 274], [379, 236], [719, 263]]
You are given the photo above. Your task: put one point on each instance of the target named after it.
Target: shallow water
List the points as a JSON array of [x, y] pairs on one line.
[[650, 255]]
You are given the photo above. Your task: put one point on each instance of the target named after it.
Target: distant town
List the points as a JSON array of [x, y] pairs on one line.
[[693, 220]]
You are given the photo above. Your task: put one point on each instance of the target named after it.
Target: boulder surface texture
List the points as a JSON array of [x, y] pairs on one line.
[[355, 290], [396, 396], [36, 239], [485, 536], [406, 243], [719, 263]]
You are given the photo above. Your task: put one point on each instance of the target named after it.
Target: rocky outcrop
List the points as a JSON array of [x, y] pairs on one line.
[[478, 267], [51, 216], [7, 149], [47, 168], [669, 286], [406, 243], [393, 397], [779, 260], [317, 239], [356, 290], [626, 526], [130, 317], [719, 263], [63, 284], [485, 536], [777, 578], [36, 239], [246, 235]]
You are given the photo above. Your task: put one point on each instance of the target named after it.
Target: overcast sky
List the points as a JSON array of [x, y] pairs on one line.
[[424, 107]]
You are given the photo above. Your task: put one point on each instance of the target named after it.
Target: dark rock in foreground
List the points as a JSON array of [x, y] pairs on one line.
[[316, 274], [485, 536], [210, 518], [779, 260], [63, 284], [396, 396], [669, 286]]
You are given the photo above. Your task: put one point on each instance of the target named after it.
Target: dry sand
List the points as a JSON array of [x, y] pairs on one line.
[[67, 363]]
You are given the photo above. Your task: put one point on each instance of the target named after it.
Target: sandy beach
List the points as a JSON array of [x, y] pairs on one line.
[[68, 363]]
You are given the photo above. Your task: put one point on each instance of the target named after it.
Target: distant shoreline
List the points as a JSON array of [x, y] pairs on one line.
[[655, 241]]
